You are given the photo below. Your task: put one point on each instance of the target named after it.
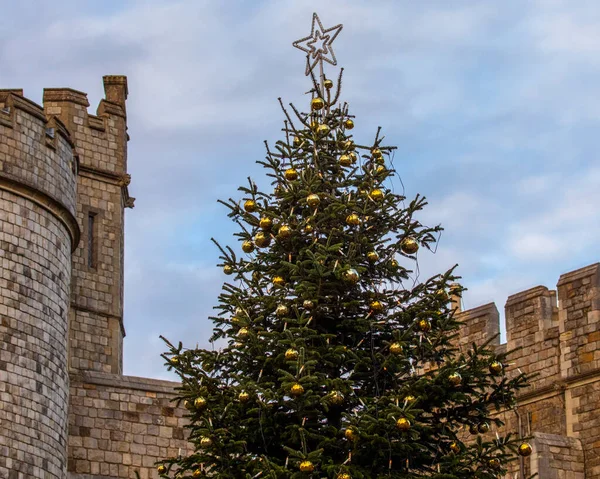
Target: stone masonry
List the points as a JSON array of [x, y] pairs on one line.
[[67, 411]]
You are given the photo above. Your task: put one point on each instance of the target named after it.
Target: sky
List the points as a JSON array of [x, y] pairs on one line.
[[493, 107]]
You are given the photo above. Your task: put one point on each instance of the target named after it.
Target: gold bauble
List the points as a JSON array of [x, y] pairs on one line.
[[308, 229], [424, 325], [199, 402], [262, 240], [187, 404], [345, 160], [376, 306], [351, 276], [247, 246], [238, 312], [205, 441], [317, 104], [454, 447], [372, 256], [244, 396], [403, 424], [455, 379], [197, 473], [377, 153], [328, 84], [525, 449], [496, 368], [396, 348], [174, 360], [336, 398], [376, 195], [348, 145], [344, 475], [353, 157], [297, 390], [291, 174], [243, 333], [282, 310], [494, 463], [161, 469], [409, 398], [308, 304], [442, 295], [265, 223], [250, 206], [349, 124], [351, 434], [313, 200], [278, 281], [284, 232], [352, 220], [291, 354], [307, 466], [297, 142], [394, 265], [409, 246], [323, 129], [380, 170], [228, 269], [483, 427]]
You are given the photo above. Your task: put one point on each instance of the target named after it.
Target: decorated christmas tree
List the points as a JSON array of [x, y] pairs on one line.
[[332, 362]]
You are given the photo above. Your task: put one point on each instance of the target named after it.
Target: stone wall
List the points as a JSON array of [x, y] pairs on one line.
[[37, 235]]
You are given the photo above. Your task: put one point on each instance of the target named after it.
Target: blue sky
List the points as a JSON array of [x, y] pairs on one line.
[[493, 106]]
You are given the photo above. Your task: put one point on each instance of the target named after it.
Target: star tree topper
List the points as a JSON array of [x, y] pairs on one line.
[[318, 45]]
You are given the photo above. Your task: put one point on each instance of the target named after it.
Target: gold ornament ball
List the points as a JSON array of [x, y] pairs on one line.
[[322, 129], [344, 475], [247, 246], [403, 424], [197, 473], [353, 157], [199, 402], [496, 368], [307, 466], [349, 145], [328, 84], [409, 246], [250, 206], [525, 449], [205, 441], [345, 160], [238, 312], [376, 195], [377, 153], [174, 360], [455, 379], [494, 463], [284, 232], [313, 200], [394, 265], [308, 304], [291, 355], [262, 240], [265, 223], [228, 269], [244, 397], [308, 229], [161, 469], [483, 427], [396, 348], [297, 142], [243, 333], [424, 325], [187, 404], [351, 276], [278, 281], [317, 104], [336, 398], [349, 124], [291, 174], [352, 220], [372, 256], [442, 295], [409, 398], [351, 434], [376, 306], [297, 390], [282, 310], [454, 447]]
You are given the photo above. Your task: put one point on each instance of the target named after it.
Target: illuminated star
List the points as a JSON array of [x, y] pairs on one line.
[[318, 44]]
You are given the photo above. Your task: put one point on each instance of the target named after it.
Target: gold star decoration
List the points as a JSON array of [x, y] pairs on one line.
[[318, 44]]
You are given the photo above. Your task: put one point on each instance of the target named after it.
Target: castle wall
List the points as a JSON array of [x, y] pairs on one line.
[[38, 232], [120, 424]]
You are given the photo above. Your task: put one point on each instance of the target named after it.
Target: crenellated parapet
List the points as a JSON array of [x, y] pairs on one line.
[[555, 334]]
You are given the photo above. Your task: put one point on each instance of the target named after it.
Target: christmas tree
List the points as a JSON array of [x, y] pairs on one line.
[[331, 366]]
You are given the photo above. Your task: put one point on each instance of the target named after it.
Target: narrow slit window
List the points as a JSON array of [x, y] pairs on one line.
[[91, 241]]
